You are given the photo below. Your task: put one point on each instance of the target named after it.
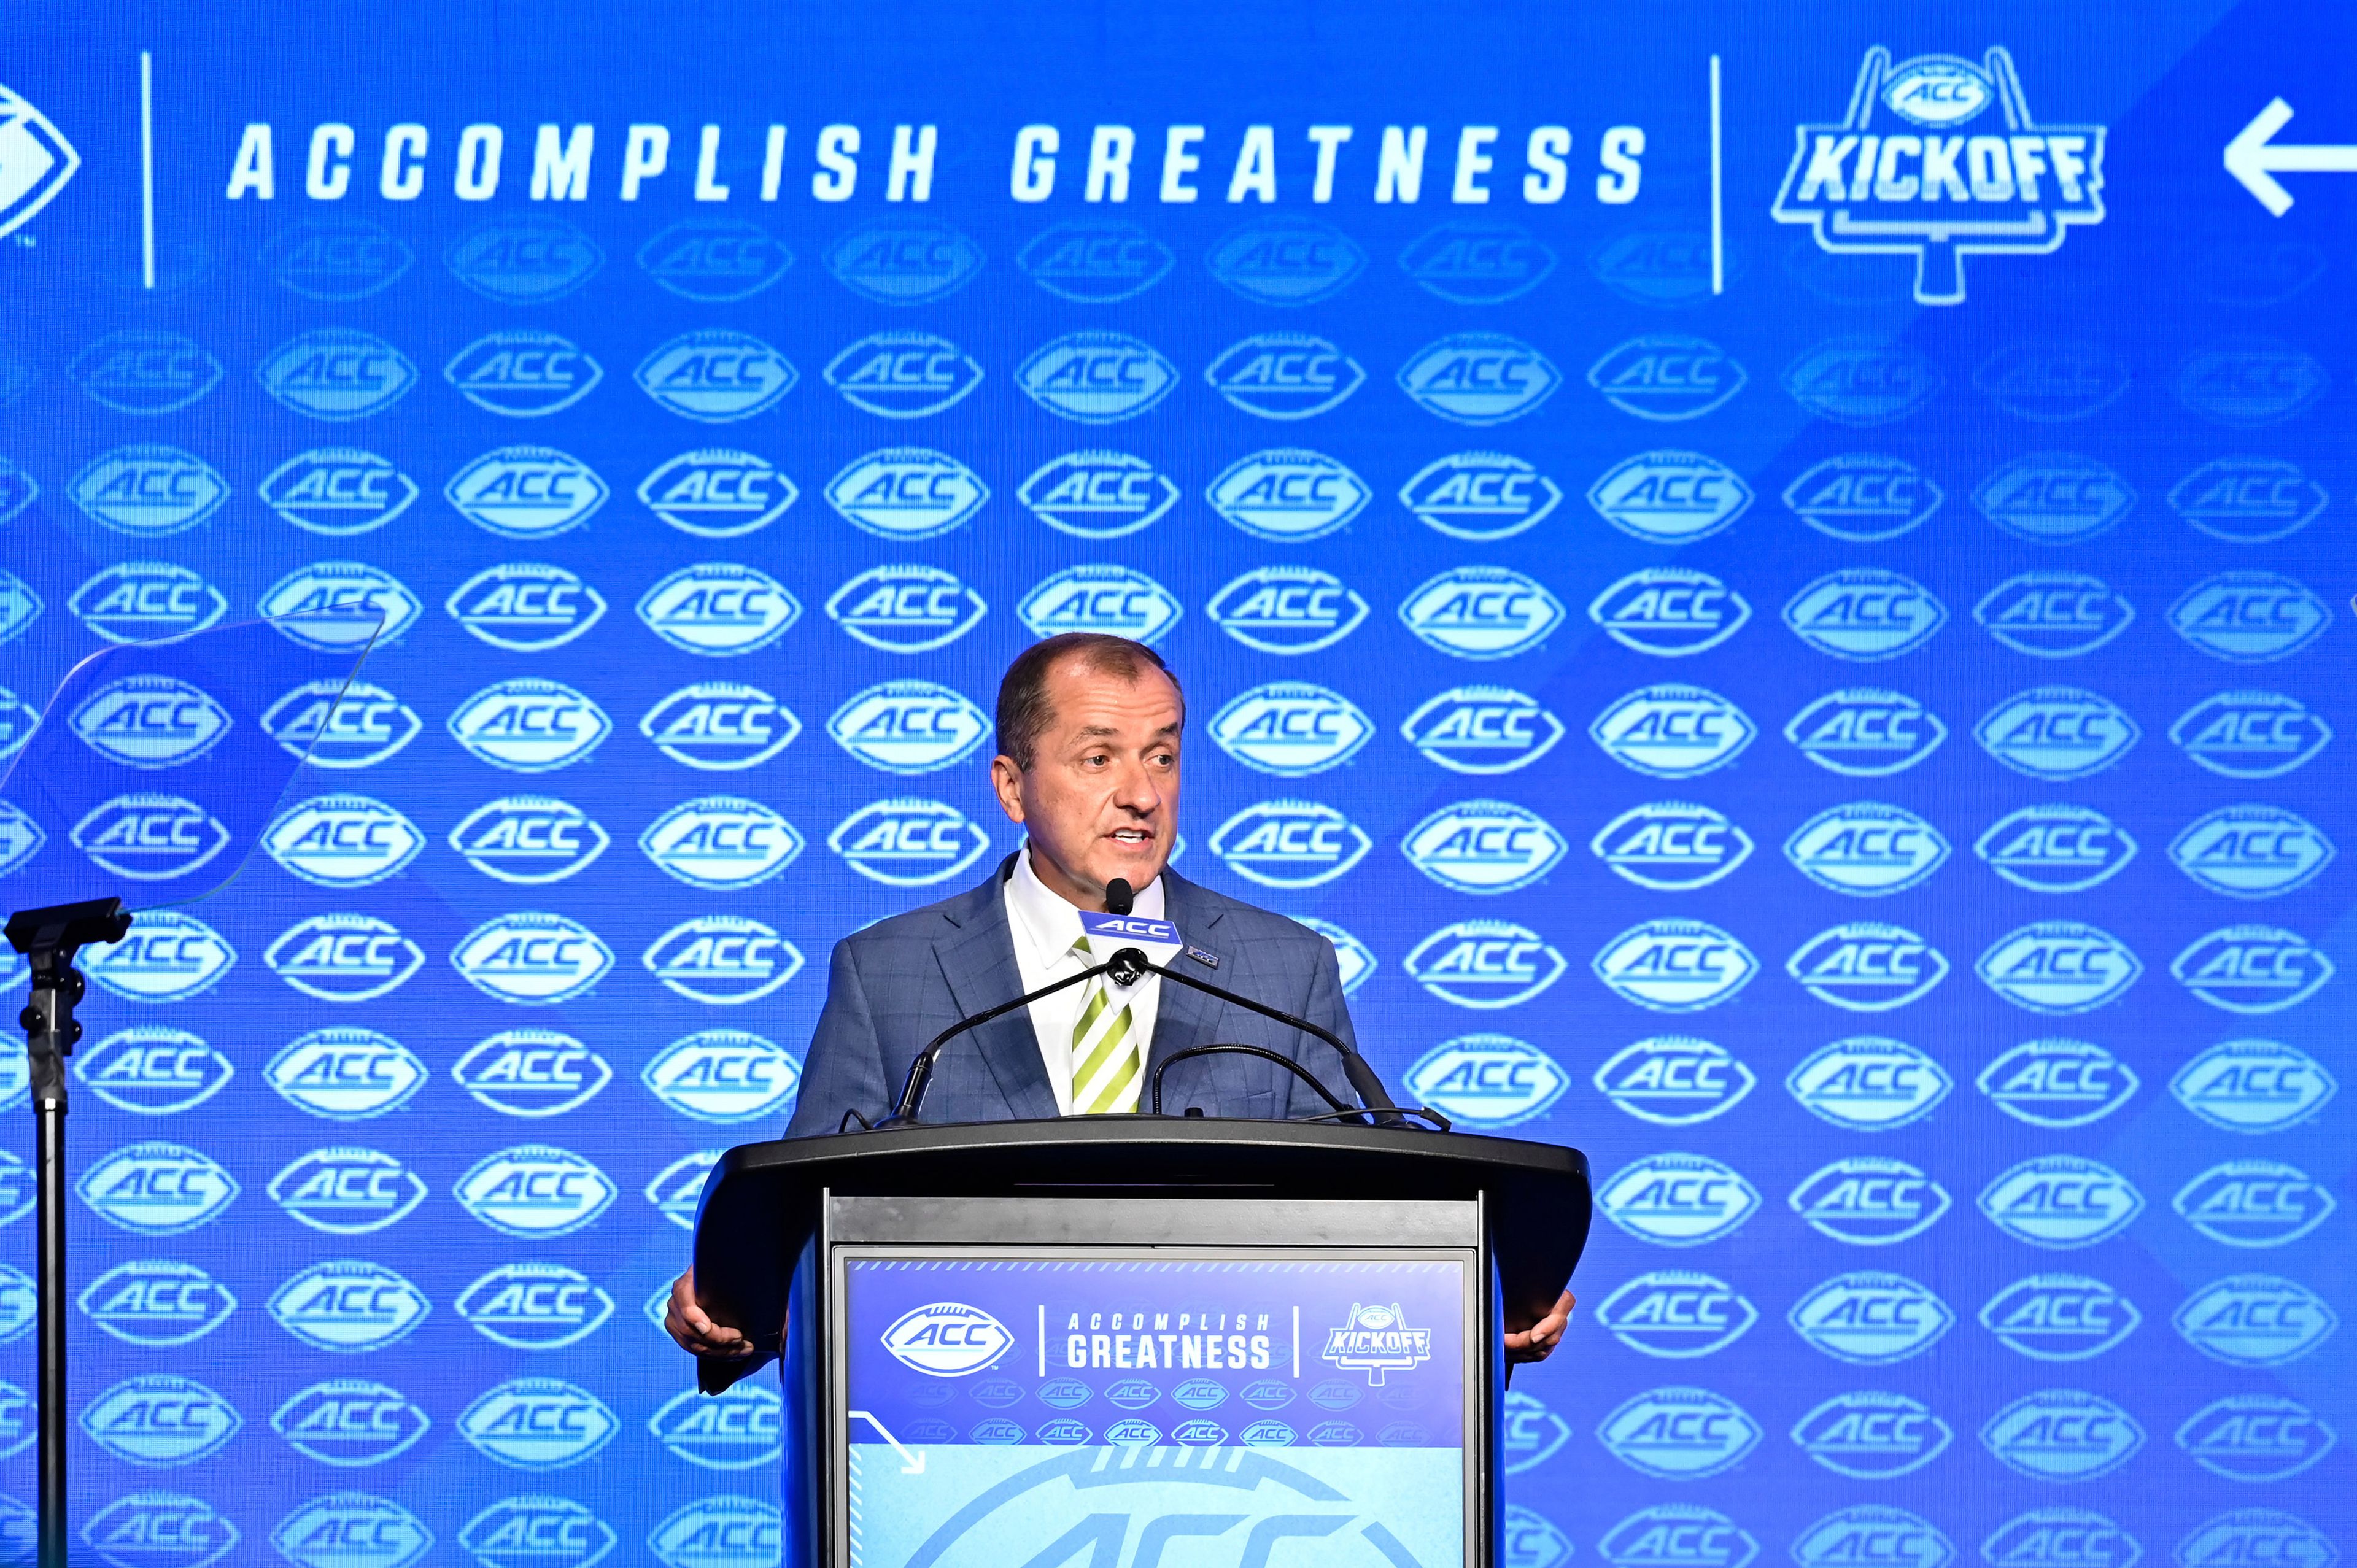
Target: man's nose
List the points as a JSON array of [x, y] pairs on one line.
[[1133, 789]]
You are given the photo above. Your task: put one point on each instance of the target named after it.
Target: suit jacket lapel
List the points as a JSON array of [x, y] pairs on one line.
[[1185, 1017], [977, 953]]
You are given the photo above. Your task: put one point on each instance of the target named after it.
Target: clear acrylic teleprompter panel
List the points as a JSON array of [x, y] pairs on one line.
[[1312, 1408], [156, 766]]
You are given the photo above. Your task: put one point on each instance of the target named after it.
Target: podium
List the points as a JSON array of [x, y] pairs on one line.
[[1138, 1341]]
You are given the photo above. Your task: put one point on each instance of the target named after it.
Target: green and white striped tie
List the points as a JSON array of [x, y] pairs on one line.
[[1104, 1050]]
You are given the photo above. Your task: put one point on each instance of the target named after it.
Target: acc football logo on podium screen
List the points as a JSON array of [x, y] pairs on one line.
[[947, 1339], [1901, 171]]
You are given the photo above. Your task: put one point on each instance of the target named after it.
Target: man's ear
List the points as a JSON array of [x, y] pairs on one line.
[[1006, 781]]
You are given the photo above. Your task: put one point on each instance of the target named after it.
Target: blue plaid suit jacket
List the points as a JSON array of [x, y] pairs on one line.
[[894, 986]]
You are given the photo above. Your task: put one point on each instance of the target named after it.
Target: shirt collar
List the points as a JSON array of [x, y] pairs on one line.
[[1051, 922]]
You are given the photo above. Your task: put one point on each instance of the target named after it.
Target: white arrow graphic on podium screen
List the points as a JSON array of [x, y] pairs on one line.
[[911, 1463], [2256, 159]]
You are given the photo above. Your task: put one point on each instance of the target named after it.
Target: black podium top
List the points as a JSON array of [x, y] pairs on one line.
[[761, 1203]]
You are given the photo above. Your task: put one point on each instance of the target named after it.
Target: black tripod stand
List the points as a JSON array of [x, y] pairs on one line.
[[49, 938]]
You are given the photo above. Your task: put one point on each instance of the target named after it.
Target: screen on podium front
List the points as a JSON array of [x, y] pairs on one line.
[[1024, 1410]]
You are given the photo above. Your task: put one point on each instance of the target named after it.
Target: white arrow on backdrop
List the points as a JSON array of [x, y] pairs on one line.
[[2256, 158]]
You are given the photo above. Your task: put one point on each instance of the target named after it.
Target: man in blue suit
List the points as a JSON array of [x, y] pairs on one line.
[[1089, 730]]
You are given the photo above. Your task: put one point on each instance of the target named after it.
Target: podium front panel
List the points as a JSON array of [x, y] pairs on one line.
[[1144, 1383]]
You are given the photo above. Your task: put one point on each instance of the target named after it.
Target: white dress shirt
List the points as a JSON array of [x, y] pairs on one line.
[[1044, 926]]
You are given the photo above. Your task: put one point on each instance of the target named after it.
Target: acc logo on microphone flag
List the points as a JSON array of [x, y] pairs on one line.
[[158, 1419], [2250, 735], [1679, 1433], [1675, 966], [1289, 843], [333, 724], [139, 601], [533, 959], [1284, 375], [1098, 494], [908, 726], [2054, 498], [1485, 965], [145, 372], [1867, 966], [1487, 1082], [947, 1339], [1863, 382], [1864, 496], [168, 957], [1869, 1200], [1288, 260], [347, 1306], [2248, 500], [526, 492], [1483, 612], [1480, 496], [719, 726], [1096, 260], [2249, 618], [148, 491], [1669, 611], [344, 1074], [2254, 1203], [1867, 849], [718, 609], [1672, 846], [1112, 599], [525, 606], [1673, 731], [716, 377], [1872, 1436], [1670, 497], [2061, 1201], [349, 1422], [535, 1306], [714, 260], [1864, 615], [147, 836], [905, 608], [723, 1076], [338, 492], [523, 259], [529, 839], [2251, 1086], [2058, 967], [156, 1189], [908, 842], [721, 841], [1866, 732], [1291, 729], [534, 1190], [532, 1073], [2256, 1437], [2057, 733], [342, 841], [1871, 1320], [903, 375], [718, 492], [1484, 846], [2053, 615], [1096, 378], [2062, 1434], [1673, 1080], [537, 1423], [2250, 851], [529, 725], [2060, 1317], [1283, 610], [1287, 495], [343, 956], [1869, 1083], [2059, 1083], [152, 1069], [2255, 1320], [2056, 848], [1478, 378], [347, 1191], [1678, 1200], [1482, 730], [1676, 1314], [904, 261], [523, 374], [724, 960], [1667, 377]]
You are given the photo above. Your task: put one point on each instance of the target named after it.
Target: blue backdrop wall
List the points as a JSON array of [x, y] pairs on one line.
[[1773, 576]]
